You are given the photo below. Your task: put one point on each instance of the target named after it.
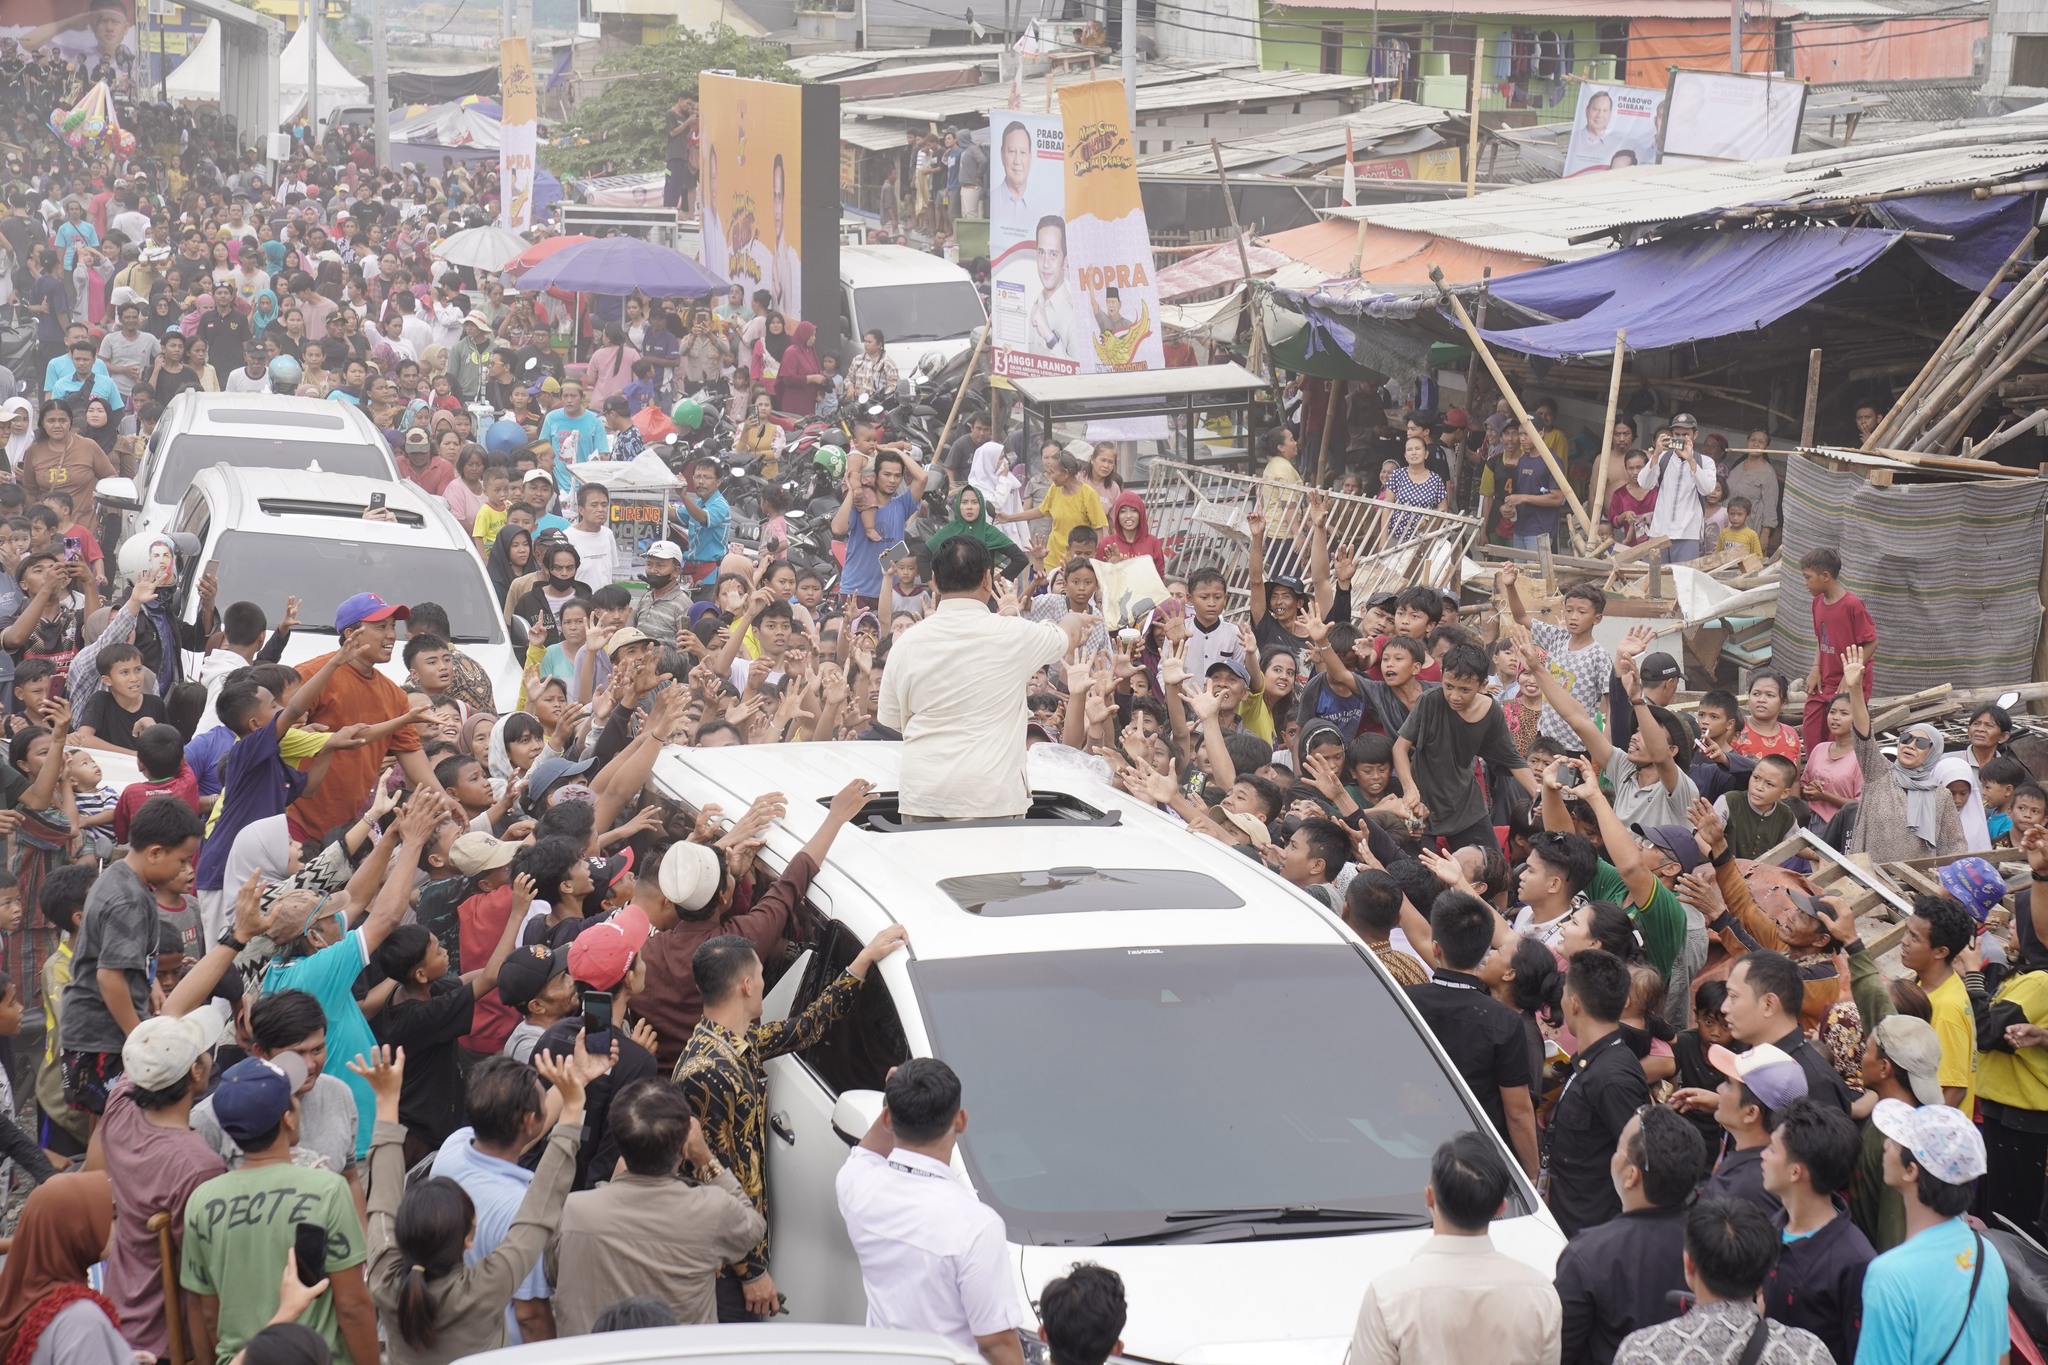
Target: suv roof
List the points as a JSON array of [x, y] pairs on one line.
[[862, 265], [1229, 899], [273, 415], [329, 506]]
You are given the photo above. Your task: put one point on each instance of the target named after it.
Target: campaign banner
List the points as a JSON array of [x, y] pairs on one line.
[[1615, 126], [1723, 116], [95, 38], [750, 186], [1027, 195], [516, 135], [1109, 316]]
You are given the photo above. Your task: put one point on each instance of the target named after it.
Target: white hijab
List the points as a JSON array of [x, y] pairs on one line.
[[1976, 824], [998, 487]]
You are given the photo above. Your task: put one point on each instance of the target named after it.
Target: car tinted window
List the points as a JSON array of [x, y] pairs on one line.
[[1110, 1087], [191, 453], [325, 572], [934, 311], [1073, 890]]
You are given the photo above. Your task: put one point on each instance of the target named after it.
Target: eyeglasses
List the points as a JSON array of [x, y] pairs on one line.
[[1915, 742]]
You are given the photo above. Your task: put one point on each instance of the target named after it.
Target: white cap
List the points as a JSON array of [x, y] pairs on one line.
[[163, 1048], [689, 875], [665, 549]]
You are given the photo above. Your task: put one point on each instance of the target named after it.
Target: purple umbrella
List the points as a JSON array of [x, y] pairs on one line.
[[621, 265]]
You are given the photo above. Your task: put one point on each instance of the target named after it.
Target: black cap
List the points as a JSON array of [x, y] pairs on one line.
[[1659, 667], [528, 970], [617, 403]]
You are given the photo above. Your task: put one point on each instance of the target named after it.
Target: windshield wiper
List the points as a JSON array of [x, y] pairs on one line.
[[470, 640], [1183, 1222]]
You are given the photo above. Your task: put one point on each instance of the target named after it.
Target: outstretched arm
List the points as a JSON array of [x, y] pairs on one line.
[[1536, 668]]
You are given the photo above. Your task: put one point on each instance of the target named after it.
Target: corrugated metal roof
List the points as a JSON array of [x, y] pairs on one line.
[[1369, 127], [825, 66], [1541, 219], [944, 105]]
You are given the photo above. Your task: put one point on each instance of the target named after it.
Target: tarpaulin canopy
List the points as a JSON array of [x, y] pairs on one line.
[[1326, 248], [1682, 288], [1981, 232]]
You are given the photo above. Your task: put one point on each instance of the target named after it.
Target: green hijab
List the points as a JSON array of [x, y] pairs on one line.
[[980, 528]]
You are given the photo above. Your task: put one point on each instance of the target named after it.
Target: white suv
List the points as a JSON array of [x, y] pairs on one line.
[[274, 532], [1174, 1064], [248, 431]]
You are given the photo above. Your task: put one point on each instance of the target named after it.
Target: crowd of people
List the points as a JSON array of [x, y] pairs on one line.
[[433, 1024]]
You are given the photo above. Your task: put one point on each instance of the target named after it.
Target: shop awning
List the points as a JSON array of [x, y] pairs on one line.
[[1683, 288]]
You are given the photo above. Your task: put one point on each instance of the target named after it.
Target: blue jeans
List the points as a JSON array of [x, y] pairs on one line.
[[1535, 542]]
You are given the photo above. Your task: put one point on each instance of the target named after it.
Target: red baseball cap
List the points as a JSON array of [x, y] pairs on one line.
[[603, 953]]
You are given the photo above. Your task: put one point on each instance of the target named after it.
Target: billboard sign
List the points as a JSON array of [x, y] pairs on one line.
[[516, 135], [751, 163], [1615, 125], [1722, 116], [97, 39], [1027, 197]]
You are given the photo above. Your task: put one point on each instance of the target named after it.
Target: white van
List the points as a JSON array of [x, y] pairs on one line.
[[1174, 1063], [926, 308]]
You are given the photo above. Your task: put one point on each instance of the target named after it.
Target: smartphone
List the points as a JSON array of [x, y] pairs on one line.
[[1564, 773], [377, 501], [890, 554], [73, 547], [597, 1011], [309, 1245]]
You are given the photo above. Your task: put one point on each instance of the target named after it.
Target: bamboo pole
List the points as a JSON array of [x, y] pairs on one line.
[[1806, 422], [1607, 431], [961, 393], [1244, 263], [1963, 411], [2016, 430], [1472, 116], [2013, 309], [1527, 423]]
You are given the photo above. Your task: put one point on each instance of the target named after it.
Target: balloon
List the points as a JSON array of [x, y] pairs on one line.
[[688, 414], [504, 436], [832, 459], [285, 370], [126, 142]]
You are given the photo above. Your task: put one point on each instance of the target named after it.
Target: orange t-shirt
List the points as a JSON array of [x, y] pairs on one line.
[[1785, 743], [350, 699]]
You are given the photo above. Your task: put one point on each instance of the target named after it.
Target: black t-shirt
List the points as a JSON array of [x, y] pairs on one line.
[[599, 1156], [114, 724], [1605, 1088], [1482, 1036], [430, 1100]]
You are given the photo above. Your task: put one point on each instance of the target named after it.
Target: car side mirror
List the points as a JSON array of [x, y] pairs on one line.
[[119, 494], [515, 627], [2008, 700], [855, 1113]]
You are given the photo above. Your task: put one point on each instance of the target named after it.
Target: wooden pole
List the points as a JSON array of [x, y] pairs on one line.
[[1607, 431], [1244, 258], [965, 380], [2041, 645], [2017, 429], [1812, 397], [1507, 390], [1885, 432], [1472, 114]]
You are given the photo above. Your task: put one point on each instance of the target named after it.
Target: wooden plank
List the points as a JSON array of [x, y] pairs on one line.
[[1886, 939]]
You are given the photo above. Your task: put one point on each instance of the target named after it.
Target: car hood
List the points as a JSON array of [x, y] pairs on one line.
[[909, 355], [1279, 1301]]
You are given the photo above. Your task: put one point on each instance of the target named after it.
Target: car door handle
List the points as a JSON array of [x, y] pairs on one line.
[[779, 1126]]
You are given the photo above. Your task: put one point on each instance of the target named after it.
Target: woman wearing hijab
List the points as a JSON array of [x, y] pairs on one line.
[[99, 425], [766, 362], [17, 423], [262, 313], [1130, 534], [999, 487], [1959, 779], [49, 1315], [1905, 811], [511, 556], [800, 378], [970, 519]]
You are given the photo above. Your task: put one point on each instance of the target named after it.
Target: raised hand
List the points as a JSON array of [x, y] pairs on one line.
[[1702, 892], [1324, 776], [524, 889], [1255, 520], [1006, 597], [1508, 576], [291, 614], [1638, 639], [851, 799], [1701, 814], [1173, 664], [1204, 704], [1854, 659], [383, 1071]]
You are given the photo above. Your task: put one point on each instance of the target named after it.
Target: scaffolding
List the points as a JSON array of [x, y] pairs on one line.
[[1199, 512]]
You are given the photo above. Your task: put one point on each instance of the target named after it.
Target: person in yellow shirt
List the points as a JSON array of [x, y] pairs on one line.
[[490, 518], [1069, 503], [1738, 531], [1940, 944]]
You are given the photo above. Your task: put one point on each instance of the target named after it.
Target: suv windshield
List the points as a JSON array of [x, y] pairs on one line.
[[190, 454], [325, 572], [939, 311], [1112, 1088]]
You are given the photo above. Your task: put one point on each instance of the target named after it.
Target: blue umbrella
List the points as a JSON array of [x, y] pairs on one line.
[[621, 265]]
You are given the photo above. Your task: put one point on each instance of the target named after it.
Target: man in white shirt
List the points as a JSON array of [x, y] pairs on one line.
[[954, 689], [1683, 478], [130, 222], [1458, 1298], [933, 1258], [254, 374], [591, 534]]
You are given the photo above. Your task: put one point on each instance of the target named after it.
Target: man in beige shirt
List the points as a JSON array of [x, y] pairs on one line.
[[645, 1231], [1459, 1299]]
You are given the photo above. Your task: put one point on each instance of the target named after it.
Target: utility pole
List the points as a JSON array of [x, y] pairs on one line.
[[313, 16], [1131, 69], [380, 83], [1734, 41]]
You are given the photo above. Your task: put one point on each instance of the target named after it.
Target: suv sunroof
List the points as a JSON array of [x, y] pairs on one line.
[[881, 815], [1079, 890], [270, 417]]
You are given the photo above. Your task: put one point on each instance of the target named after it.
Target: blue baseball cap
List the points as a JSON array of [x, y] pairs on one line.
[[366, 606], [255, 1094]]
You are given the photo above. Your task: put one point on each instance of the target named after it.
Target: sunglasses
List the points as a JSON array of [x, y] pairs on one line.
[[1915, 742]]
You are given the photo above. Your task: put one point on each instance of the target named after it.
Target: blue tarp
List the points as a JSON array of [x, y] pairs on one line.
[[1985, 231], [1688, 287]]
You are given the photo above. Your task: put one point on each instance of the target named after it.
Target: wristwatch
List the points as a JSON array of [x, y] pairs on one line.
[[709, 1171]]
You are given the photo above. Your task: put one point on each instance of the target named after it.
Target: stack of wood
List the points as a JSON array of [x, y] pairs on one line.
[[1979, 355]]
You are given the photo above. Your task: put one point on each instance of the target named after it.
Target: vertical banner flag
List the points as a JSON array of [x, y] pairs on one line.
[[751, 174], [1027, 196], [516, 135], [1107, 245]]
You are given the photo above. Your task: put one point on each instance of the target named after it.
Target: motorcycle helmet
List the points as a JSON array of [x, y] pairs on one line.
[[832, 459], [688, 414], [504, 436], [285, 371]]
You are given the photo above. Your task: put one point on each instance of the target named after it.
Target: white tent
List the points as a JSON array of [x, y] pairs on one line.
[[197, 78], [337, 86]]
